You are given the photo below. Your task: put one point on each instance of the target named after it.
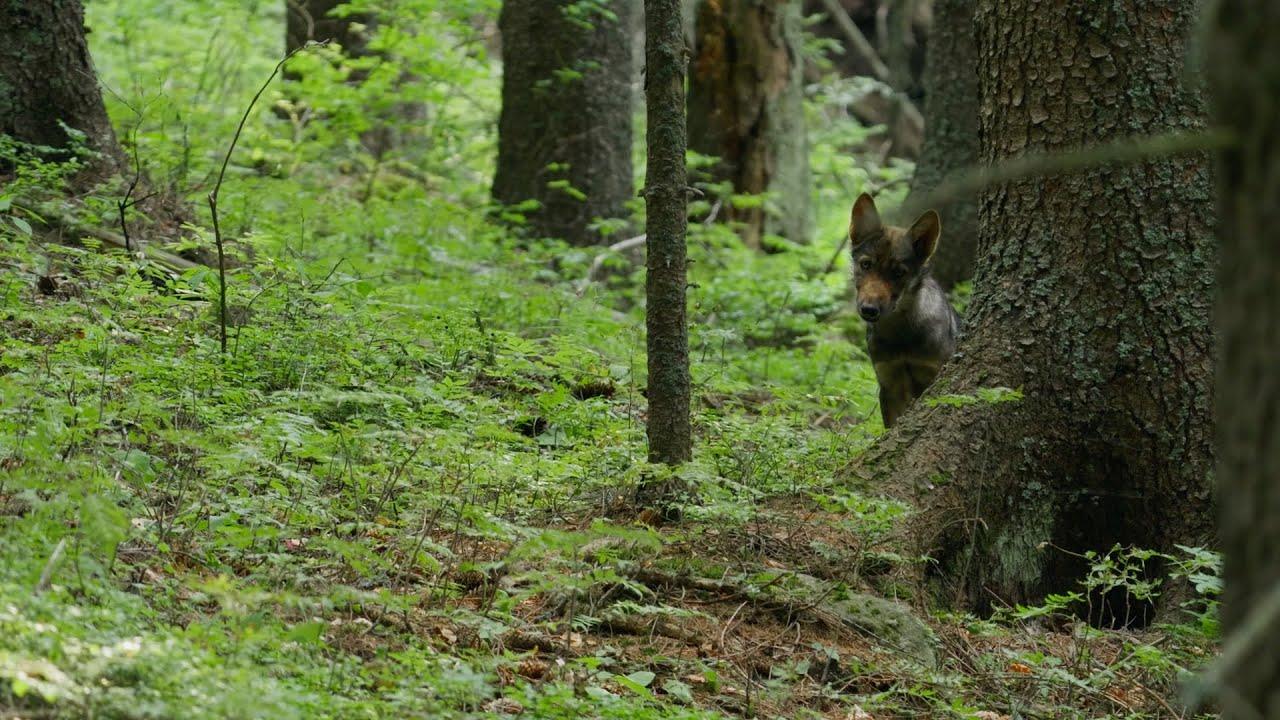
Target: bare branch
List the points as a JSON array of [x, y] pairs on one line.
[[213, 198]]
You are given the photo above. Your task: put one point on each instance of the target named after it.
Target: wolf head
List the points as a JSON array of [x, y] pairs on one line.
[[889, 263]]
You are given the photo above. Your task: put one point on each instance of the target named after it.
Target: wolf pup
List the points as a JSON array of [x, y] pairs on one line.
[[911, 328]]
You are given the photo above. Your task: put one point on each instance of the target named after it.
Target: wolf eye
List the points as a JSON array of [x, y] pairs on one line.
[[865, 263]]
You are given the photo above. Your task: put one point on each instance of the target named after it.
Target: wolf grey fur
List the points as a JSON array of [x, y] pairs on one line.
[[911, 327], [909, 345]]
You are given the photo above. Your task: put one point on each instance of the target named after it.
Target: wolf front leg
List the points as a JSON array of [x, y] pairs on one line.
[[893, 402]]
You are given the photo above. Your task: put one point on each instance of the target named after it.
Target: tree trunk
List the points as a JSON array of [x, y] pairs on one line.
[[47, 79], [1245, 62], [951, 136], [907, 29], [746, 107], [564, 137], [670, 438], [311, 20], [1092, 297]]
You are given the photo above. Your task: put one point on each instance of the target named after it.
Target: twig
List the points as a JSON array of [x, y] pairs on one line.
[[598, 264], [622, 623], [593, 274], [859, 44], [729, 623], [46, 576], [53, 217], [213, 198], [126, 202]]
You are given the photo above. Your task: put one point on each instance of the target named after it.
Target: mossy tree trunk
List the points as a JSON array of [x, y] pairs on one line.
[[1245, 65], [951, 136], [565, 134], [47, 80], [1092, 297], [746, 107], [670, 437]]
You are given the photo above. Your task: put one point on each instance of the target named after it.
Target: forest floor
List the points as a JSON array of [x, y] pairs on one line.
[[405, 492], [405, 489]]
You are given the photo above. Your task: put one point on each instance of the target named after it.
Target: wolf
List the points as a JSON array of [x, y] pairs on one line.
[[911, 327]]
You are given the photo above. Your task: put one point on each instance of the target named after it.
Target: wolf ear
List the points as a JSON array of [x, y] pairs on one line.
[[865, 219], [924, 234]]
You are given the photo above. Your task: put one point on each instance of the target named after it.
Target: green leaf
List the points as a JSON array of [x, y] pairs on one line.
[[21, 224], [308, 633], [643, 678], [637, 682], [104, 524], [678, 690]]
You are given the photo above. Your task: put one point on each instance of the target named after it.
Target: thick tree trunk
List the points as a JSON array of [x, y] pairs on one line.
[[47, 79], [746, 107], [670, 439], [1245, 64], [564, 138], [951, 136], [1092, 297], [312, 20]]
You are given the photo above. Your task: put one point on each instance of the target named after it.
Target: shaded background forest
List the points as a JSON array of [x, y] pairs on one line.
[[332, 401]]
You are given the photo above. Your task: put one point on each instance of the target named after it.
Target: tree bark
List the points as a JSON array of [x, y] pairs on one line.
[[746, 107], [670, 439], [1092, 297], [564, 137], [1245, 62], [951, 136], [47, 80]]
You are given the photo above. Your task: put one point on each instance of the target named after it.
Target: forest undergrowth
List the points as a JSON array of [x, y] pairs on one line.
[[405, 489]]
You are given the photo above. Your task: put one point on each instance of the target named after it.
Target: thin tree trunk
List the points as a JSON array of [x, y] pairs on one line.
[[1245, 65], [564, 137], [902, 52], [951, 136], [1092, 298], [47, 80], [746, 107], [670, 438]]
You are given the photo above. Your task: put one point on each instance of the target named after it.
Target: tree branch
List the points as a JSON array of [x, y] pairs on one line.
[[858, 42]]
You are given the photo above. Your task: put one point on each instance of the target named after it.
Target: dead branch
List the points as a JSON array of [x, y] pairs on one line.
[[60, 220], [593, 274], [858, 42]]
